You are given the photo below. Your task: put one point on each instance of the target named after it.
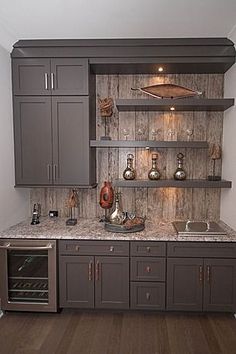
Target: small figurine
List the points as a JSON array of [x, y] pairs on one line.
[[72, 203], [215, 154]]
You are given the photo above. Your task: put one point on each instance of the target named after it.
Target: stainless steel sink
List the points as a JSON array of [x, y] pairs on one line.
[[193, 228]]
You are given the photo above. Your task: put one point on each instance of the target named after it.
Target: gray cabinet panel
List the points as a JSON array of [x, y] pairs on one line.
[[184, 284], [33, 140], [147, 296], [220, 285], [148, 269], [76, 281], [148, 248], [117, 248], [31, 76], [112, 282], [71, 140], [69, 76]]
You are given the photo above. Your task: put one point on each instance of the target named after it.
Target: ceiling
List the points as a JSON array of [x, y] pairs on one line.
[[27, 19]]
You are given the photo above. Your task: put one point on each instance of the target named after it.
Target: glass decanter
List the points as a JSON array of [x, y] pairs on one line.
[[180, 173], [129, 173], [154, 173]]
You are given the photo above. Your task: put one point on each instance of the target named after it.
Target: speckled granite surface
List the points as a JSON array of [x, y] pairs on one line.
[[92, 229]]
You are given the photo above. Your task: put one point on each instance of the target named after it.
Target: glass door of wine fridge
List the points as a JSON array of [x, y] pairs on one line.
[[28, 275]]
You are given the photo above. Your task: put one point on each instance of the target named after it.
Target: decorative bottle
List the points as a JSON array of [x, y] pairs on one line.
[[129, 173], [154, 173], [117, 216], [180, 173]]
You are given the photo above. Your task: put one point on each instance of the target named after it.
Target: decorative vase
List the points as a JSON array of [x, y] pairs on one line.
[[154, 173], [118, 216], [106, 196], [180, 173], [129, 173]]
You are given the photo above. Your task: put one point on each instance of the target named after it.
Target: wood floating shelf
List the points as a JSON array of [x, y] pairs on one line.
[[190, 183], [148, 144], [183, 104]]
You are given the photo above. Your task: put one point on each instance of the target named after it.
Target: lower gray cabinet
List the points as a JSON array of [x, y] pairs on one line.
[[88, 281], [147, 295], [197, 284]]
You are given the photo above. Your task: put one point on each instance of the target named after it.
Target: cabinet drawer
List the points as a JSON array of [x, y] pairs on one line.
[[148, 269], [148, 296], [201, 249], [146, 248], [94, 248]]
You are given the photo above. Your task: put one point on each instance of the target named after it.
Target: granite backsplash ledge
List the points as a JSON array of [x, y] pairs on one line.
[[92, 229]]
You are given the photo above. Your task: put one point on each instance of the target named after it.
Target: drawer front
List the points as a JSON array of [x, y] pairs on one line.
[[94, 248], [148, 269], [147, 248], [147, 296], [201, 249]]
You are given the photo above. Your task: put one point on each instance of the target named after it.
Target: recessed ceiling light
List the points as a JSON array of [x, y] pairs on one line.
[[160, 69], [172, 108]]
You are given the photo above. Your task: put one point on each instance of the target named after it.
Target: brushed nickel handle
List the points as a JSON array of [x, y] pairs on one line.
[[208, 274], [148, 296], [48, 171], [90, 271], [148, 269], [46, 81], [148, 249], [200, 274], [8, 246], [52, 81], [111, 249], [97, 270], [54, 172]]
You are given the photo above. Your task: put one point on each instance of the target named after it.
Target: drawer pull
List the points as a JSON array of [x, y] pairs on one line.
[[77, 248], [90, 271], [148, 249], [148, 269], [148, 296], [200, 274], [111, 249]]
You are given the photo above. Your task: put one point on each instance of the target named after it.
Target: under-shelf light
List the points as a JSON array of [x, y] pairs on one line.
[[172, 108]]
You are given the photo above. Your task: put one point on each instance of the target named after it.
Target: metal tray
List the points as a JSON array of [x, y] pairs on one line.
[[122, 228]]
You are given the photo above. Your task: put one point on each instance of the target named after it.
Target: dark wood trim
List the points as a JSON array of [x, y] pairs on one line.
[[190, 183], [93, 185], [184, 104], [148, 143]]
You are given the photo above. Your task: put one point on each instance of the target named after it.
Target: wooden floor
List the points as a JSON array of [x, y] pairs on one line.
[[75, 332]]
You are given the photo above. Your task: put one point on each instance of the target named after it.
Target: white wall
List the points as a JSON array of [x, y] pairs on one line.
[[228, 197], [14, 203]]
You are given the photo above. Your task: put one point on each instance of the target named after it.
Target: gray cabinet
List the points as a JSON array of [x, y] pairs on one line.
[[198, 283], [88, 281], [148, 275], [43, 76], [52, 141]]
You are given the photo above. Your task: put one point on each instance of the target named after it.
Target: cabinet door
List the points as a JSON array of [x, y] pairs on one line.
[[31, 76], [69, 76], [220, 285], [33, 140], [112, 282], [76, 283], [71, 151], [184, 284]]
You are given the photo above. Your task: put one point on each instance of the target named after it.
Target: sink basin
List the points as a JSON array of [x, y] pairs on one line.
[[191, 228]]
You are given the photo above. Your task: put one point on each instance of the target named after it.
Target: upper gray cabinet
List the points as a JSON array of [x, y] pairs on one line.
[[59, 76]]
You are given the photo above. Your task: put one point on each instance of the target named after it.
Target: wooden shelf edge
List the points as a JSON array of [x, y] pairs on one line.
[[148, 143], [93, 185], [182, 104], [171, 183]]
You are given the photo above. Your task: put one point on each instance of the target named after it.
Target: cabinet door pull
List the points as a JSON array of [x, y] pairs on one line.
[[46, 81], [148, 269], [97, 270], [208, 274], [52, 81], [48, 171], [148, 296], [200, 274], [54, 172], [148, 249], [90, 275]]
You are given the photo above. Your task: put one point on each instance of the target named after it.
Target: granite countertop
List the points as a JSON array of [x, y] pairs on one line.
[[92, 229]]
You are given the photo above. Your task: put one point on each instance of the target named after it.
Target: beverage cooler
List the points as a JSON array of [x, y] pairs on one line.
[[28, 280]]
